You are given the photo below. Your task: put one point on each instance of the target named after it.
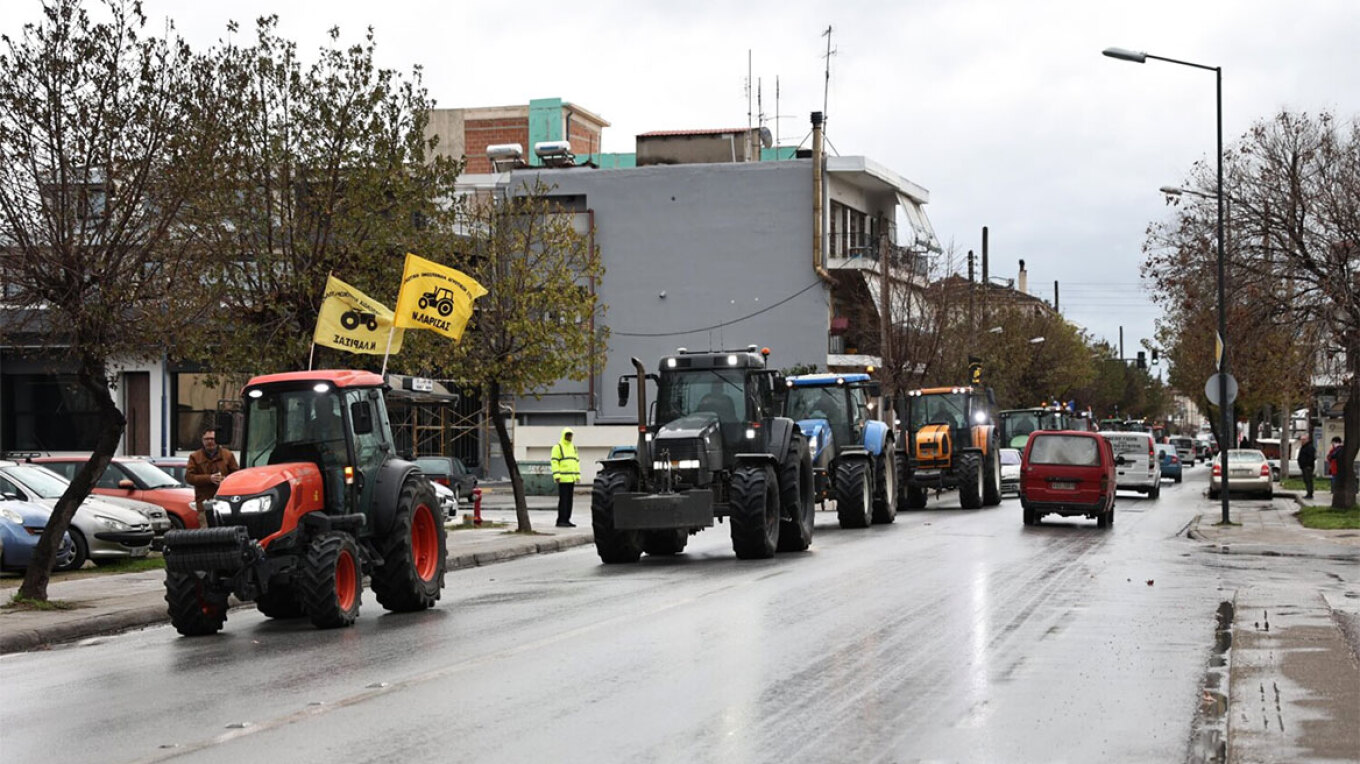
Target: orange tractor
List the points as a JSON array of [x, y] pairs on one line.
[[951, 441], [320, 501]]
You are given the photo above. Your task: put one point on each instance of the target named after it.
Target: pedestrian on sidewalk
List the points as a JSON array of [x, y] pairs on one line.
[[1334, 462], [566, 471], [205, 470], [1307, 460]]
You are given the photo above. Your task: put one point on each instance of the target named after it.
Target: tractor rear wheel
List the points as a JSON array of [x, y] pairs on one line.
[[414, 552], [885, 485], [613, 546], [795, 499], [664, 543], [331, 581], [755, 512], [854, 493], [970, 480], [991, 477], [195, 610], [280, 601]]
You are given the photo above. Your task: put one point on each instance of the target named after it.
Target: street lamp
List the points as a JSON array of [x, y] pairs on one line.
[[1225, 410]]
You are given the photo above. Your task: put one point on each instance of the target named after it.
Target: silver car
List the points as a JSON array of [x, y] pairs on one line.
[[100, 531], [1248, 472]]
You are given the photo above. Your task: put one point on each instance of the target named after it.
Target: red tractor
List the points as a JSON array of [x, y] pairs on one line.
[[320, 501]]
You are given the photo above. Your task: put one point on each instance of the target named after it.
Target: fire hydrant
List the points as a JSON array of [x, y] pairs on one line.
[[476, 506]]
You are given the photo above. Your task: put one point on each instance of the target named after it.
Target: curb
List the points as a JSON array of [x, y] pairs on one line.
[[1191, 531], [39, 637]]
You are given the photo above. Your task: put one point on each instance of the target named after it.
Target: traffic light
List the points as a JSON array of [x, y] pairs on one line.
[[1142, 360], [1154, 356]]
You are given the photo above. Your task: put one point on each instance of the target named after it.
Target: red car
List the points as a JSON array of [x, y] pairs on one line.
[[131, 477], [1068, 473]]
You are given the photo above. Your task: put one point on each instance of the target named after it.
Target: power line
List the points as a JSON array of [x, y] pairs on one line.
[[724, 323]]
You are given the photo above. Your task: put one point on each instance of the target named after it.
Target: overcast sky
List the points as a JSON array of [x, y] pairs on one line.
[[1004, 110]]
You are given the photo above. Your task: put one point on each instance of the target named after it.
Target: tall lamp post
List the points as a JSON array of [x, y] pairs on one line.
[[1228, 432]]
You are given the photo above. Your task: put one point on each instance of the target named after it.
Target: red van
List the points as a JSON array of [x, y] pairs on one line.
[[1068, 473]]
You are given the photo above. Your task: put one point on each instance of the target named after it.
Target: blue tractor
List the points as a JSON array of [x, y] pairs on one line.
[[853, 459]]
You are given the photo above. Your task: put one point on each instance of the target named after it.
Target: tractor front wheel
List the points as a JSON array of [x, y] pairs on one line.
[[854, 493], [991, 477], [917, 497], [796, 486], [414, 553], [195, 610], [331, 581], [885, 485], [614, 546], [665, 543], [755, 512], [970, 480]]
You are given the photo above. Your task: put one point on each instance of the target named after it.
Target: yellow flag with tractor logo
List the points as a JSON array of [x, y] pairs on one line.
[[351, 320], [435, 297]]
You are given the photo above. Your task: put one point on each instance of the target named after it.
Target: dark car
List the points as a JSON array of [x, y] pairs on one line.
[[1067, 473], [448, 471]]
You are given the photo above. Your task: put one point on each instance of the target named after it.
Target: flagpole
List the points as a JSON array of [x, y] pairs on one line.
[[391, 330], [311, 355]]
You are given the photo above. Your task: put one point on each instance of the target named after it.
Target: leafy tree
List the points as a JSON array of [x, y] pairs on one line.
[[538, 323], [324, 168], [103, 134]]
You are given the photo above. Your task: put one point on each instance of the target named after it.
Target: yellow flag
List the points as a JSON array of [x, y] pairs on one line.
[[351, 320], [436, 297]]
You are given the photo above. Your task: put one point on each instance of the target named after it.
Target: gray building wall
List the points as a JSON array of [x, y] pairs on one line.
[[730, 246]]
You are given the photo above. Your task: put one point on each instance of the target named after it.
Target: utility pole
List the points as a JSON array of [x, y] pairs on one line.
[[885, 311], [972, 326]]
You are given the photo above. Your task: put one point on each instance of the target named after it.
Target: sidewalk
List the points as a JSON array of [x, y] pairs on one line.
[[1293, 673], [106, 604]]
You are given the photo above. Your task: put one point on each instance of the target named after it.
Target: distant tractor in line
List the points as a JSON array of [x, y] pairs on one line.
[[321, 501], [951, 441], [854, 457], [717, 448]]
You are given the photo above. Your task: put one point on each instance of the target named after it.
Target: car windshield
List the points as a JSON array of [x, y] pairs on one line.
[[1245, 455], [45, 483], [722, 393], [1010, 456], [149, 475], [817, 403], [433, 465], [939, 408], [292, 425], [1065, 449]]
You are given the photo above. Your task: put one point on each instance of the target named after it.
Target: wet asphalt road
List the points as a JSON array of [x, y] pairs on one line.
[[949, 635]]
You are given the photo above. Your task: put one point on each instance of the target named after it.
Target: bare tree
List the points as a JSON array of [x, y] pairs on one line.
[[104, 133]]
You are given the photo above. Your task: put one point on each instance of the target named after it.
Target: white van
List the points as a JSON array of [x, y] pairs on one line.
[[1136, 464]]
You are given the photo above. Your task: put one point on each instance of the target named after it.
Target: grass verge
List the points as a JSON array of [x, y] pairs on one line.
[[24, 603], [1326, 518]]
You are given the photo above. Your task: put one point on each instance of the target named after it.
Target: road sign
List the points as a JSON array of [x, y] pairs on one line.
[[1211, 389]]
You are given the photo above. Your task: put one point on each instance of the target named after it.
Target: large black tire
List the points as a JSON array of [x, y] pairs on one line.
[[330, 581], [414, 552], [917, 496], [280, 601], [970, 480], [664, 543], [195, 611], [885, 485], [754, 512], [1028, 514], [613, 546], [80, 549], [991, 477], [854, 493], [796, 486]]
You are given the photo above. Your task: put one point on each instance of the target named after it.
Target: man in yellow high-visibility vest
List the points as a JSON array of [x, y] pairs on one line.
[[566, 471]]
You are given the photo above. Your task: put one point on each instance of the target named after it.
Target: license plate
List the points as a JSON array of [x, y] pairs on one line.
[[139, 551], [1242, 473], [1063, 485]]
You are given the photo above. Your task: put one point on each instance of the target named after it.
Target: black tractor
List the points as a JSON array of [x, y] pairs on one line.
[[716, 449]]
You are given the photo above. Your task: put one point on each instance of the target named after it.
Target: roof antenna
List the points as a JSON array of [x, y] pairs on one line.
[[826, 86]]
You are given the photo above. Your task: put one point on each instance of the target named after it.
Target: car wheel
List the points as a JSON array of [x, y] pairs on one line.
[[81, 549]]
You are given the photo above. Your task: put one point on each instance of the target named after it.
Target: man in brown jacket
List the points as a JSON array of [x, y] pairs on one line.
[[205, 470]]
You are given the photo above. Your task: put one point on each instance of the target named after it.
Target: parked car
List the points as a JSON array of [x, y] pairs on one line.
[[21, 524], [448, 471], [1067, 473], [100, 530], [1136, 466], [1185, 449], [1010, 470], [1248, 472], [130, 477], [448, 500], [173, 466], [1169, 457]]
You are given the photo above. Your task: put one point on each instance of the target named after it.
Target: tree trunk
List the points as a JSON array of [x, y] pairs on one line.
[[1343, 483], [493, 402], [111, 424]]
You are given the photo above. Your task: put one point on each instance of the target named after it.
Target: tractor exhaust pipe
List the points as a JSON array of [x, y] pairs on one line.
[[644, 454]]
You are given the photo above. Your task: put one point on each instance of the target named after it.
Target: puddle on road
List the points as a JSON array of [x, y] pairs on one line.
[[1209, 740]]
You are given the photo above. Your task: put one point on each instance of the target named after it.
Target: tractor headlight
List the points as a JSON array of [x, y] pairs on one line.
[[257, 504], [750, 433]]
